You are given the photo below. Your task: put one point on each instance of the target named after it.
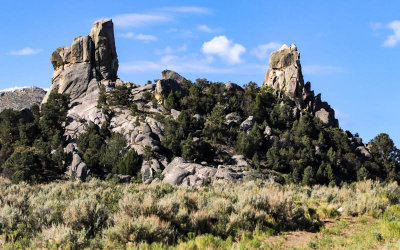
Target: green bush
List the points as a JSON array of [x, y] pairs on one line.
[[130, 164], [24, 165]]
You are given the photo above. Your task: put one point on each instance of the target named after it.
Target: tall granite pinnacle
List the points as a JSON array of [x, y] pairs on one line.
[[286, 77], [92, 58]]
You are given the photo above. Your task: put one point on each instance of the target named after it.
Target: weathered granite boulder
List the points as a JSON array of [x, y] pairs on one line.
[[169, 74], [147, 173], [77, 167], [267, 131], [247, 124], [182, 172], [175, 113], [239, 160], [230, 174], [232, 119], [363, 150], [175, 172], [230, 86]]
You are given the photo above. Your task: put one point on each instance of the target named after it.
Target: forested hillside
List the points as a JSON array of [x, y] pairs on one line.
[[91, 123]]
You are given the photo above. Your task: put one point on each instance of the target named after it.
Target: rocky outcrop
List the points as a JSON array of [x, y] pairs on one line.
[[91, 62], [18, 99], [78, 68], [105, 53], [232, 119], [181, 172], [171, 81], [285, 71], [172, 75], [247, 124], [286, 77]]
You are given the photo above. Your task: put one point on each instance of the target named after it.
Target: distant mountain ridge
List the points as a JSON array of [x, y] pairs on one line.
[[20, 98]]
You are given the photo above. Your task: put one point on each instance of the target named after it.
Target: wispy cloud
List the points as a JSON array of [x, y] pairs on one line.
[[224, 48], [170, 50], [320, 69], [25, 52], [136, 20], [142, 37], [156, 16], [188, 9], [262, 51], [182, 33], [394, 38], [207, 29], [189, 64]]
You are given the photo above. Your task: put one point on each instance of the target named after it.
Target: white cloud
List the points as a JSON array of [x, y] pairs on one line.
[[394, 38], [188, 9], [25, 52], [320, 69], [141, 37], [160, 15], [136, 20], [205, 28], [224, 48], [170, 50], [261, 51], [144, 37]]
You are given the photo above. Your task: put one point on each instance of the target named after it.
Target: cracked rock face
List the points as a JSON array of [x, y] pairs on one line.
[[89, 57], [286, 77], [79, 70], [285, 71]]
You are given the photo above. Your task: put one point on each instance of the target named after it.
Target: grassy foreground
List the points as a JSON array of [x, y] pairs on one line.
[[103, 214]]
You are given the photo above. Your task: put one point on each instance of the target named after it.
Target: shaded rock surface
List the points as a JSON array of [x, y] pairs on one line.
[[171, 81], [286, 77]]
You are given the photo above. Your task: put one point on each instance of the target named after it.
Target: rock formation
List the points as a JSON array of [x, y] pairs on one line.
[[79, 70], [91, 61], [286, 77], [171, 81]]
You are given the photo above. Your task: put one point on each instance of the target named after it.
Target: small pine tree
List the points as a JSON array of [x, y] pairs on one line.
[[130, 164], [308, 176]]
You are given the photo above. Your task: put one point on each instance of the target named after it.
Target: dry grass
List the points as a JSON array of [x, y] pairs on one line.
[[101, 214]]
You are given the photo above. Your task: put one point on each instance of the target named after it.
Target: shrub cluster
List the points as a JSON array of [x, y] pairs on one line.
[[100, 214]]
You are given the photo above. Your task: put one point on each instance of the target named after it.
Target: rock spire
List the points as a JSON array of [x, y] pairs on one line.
[[286, 77], [79, 67]]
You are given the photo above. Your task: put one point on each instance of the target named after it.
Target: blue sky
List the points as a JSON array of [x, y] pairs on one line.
[[350, 50]]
